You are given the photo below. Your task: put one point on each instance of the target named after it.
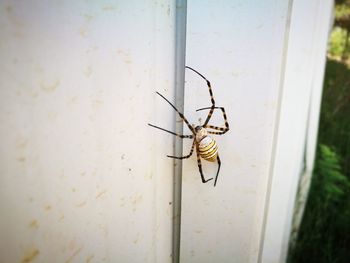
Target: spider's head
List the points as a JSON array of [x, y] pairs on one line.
[[198, 128], [200, 133]]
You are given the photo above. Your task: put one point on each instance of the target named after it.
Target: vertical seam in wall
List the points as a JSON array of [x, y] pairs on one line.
[[180, 51], [277, 120], [301, 198]]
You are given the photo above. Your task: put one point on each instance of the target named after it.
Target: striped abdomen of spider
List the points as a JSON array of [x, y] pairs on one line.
[[206, 146]]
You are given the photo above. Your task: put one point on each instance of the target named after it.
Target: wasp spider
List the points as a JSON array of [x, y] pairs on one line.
[[206, 146]]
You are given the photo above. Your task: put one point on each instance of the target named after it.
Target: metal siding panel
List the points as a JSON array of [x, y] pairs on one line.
[[239, 47], [82, 175], [306, 49]]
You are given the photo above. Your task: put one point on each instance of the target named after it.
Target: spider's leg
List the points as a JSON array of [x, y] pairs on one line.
[[217, 133], [200, 166], [210, 93], [173, 133], [217, 173], [180, 114], [221, 129], [186, 156]]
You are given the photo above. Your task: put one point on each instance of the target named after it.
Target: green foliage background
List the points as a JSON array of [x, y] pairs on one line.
[[324, 235]]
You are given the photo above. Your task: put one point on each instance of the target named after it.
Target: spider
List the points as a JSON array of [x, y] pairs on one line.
[[206, 146]]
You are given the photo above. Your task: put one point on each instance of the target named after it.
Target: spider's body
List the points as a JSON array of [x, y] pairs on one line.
[[206, 146]]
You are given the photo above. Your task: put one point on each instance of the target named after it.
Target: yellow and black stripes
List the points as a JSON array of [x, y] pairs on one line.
[[206, 146], [200, 165], [208, 149], [216, 133], [210, 93], [221, 129]]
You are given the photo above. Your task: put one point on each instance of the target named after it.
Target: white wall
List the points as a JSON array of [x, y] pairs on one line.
[[239, 47], [300, 103], [325, 16], [265, 60], [82, 176]]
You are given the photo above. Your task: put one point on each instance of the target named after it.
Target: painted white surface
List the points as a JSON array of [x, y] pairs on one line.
[[265, 63], [239, 47], [310, 23], [325, 18], [82, 176]]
